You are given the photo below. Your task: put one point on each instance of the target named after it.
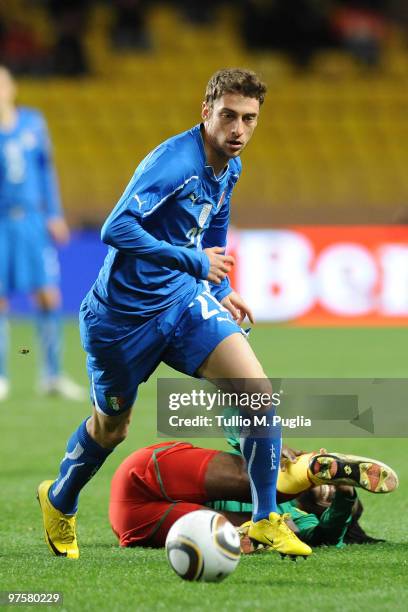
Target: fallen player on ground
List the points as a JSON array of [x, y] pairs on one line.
[[158, 484]]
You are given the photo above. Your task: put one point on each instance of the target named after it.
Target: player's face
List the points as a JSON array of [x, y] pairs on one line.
[[230, 123], [7, 87]]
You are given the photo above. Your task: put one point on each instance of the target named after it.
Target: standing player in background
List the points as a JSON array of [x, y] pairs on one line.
[[150, 303], [30, 220]]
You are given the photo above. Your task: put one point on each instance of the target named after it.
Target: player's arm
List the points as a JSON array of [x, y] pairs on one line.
[[156, 181], [123, 231], [334, 521], [216, 234], [56, 223]]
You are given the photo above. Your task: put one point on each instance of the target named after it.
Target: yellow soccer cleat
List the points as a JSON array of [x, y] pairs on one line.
[[275, 534], [368, 474], [247, 545], [59, 529]]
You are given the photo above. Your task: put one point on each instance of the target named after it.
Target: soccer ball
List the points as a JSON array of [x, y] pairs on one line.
[[203, 546]]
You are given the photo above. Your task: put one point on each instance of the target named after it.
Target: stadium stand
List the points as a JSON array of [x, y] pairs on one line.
[[330, 148]]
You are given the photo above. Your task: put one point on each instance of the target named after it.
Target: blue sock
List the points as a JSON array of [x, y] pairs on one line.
[[82, 460], [49, 332], [262, 449], [4, 343]]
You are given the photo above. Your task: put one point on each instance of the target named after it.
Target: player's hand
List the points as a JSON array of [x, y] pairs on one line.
[[289, 455], [237, 307], [58, 230], [220, 264]]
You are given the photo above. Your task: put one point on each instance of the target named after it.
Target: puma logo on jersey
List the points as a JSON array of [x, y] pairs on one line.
[[193, 197], [139, 201]]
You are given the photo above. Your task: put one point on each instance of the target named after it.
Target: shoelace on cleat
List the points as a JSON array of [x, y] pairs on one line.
[[66, 531], [282, 523]]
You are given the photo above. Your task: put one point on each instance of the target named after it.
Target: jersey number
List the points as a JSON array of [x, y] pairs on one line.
[[194, 236], [206, 313]]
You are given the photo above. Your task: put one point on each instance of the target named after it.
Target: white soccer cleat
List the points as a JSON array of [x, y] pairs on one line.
[[4, 388], [64, 387]]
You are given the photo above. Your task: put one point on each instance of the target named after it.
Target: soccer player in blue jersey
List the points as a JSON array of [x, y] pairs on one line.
[[163, 295], [30, 221]]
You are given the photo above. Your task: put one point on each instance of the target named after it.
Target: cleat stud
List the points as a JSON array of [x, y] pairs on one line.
[[305, 557], [283, 555]]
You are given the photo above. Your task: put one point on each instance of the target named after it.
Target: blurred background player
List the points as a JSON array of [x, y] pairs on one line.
[[31, 220]]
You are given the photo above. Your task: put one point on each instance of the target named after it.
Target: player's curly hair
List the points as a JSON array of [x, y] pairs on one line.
[[235, 80]]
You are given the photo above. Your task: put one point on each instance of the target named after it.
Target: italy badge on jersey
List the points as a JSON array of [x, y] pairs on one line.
[[204, 214], [115, 402], [221, 200]]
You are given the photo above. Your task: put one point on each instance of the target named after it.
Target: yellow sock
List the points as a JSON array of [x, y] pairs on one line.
[[295, 478]]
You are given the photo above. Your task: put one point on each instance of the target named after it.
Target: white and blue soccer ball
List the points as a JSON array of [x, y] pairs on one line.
[[203, 546]]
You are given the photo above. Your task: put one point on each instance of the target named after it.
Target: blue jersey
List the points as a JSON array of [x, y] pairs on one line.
[[27, 178], [173, 208]]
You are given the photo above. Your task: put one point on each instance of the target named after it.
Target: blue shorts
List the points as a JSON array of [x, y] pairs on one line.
[[121, 355], [28, 259]]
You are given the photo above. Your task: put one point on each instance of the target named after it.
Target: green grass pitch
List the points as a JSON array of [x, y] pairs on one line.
[[33, 435]]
